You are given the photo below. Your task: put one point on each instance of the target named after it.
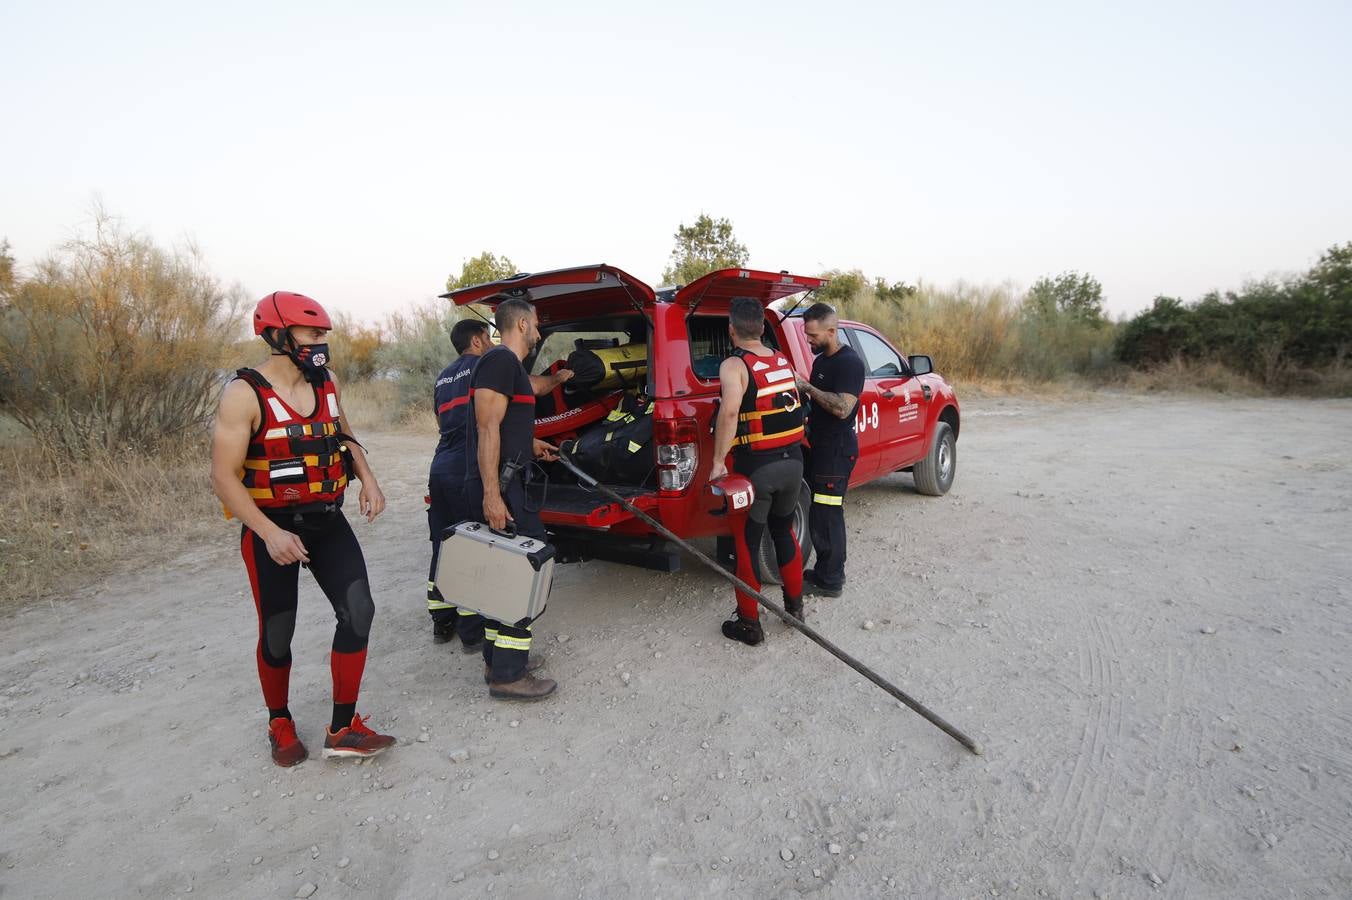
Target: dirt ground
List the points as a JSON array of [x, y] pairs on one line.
[[1141, 606]]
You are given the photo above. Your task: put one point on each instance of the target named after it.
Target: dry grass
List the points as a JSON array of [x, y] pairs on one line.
[[1068, 387], [69, 525], [375, 406], [983, 333], [1179, 375]]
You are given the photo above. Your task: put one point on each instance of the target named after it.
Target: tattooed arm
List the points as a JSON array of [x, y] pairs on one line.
[[838, 405]]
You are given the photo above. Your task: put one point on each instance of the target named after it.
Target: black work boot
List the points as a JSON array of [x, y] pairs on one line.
[[442, 632], [748, 631], [794, 608], [811, 575], [814, 588], [475, 647]]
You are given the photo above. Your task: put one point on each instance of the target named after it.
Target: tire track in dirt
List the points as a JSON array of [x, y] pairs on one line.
[[1089, 837], [1082, 798], [1173, 782]]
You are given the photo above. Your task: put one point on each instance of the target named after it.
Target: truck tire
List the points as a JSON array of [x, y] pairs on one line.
[[769, 564], [934, 474]]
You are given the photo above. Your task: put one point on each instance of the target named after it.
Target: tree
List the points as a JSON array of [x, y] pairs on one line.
[[482, 269], [6, 270], [841, 287], [845, 286], [704, 247], [1069, 294], [115, 342], [356, 349], [1156, 335]]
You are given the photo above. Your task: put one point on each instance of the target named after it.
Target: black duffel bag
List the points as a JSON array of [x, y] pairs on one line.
[[619, 448]]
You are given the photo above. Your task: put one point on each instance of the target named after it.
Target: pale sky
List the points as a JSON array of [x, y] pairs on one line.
[[359, 152]]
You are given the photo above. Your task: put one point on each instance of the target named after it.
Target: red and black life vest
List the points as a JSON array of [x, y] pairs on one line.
[[294, 460], [771, 416]]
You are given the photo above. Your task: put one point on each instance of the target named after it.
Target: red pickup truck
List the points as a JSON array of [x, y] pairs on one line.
[[666, 347]]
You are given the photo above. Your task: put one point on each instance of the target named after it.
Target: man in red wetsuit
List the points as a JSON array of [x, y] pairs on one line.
[[281, 457], [760, 419]]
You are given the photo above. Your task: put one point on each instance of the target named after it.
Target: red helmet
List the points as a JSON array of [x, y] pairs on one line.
[[283, 308]]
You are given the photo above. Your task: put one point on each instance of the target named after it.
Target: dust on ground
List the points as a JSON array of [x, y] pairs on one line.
[[1141, 607]]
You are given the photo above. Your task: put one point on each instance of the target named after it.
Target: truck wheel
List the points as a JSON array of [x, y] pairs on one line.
[[769, 563], [934, 474]]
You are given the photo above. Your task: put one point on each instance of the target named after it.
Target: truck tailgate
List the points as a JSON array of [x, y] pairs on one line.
[[581, 507]]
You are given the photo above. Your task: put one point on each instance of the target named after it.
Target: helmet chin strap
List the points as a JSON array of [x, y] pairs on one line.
[[284, 346]]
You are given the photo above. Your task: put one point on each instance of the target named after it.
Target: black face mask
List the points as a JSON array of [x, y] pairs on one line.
[[311, 359]]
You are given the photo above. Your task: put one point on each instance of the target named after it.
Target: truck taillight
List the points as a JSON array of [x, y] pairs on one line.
[[677, 453]]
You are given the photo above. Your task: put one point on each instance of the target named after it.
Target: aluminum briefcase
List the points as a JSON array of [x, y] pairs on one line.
[[505, 578]]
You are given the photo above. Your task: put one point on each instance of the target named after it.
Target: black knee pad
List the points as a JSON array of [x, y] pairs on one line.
[[277, 631], [358, 609]]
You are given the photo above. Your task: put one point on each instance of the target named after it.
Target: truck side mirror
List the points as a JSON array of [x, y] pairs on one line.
[[920, 365]]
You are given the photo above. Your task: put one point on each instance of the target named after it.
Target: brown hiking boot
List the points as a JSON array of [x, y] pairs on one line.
[[527, 687]]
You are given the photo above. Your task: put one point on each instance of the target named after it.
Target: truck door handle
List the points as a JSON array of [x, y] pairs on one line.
[[886, 395]]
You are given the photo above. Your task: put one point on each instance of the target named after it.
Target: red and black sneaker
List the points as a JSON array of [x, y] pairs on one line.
[[287, 750], [355, 740]]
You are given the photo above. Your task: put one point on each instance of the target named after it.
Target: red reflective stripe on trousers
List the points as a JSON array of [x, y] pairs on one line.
[[791, 573], [347, 670], [746, 604], [275, 680]]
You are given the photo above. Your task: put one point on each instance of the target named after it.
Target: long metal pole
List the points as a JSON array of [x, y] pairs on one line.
[[816, 636]]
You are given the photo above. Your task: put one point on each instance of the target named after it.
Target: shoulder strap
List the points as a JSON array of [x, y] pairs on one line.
[[253, 377]]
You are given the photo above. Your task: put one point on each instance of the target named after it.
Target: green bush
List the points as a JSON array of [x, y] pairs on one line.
[[417, 347], [1279, 332]]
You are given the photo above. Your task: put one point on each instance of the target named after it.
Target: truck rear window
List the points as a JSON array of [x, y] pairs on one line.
[[710, 344], [559, 344]]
